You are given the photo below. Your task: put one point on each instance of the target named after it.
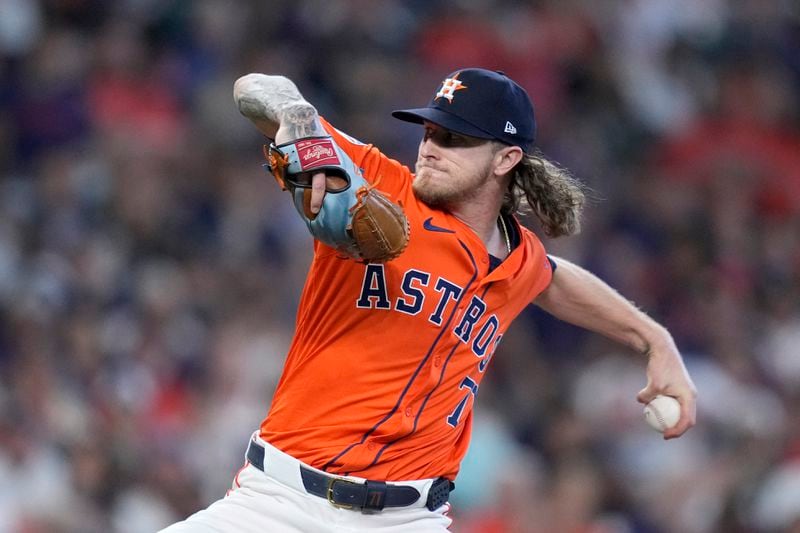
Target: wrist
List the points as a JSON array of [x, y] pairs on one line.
[[651, 338]]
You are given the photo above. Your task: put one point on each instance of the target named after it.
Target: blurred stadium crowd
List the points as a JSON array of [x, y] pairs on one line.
[[149, 268]]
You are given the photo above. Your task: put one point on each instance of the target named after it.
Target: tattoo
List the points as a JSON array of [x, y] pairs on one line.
[[276, 100], [301, 120], [252, 107]]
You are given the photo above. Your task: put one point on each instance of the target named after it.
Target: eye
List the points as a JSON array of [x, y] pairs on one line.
[[447, 139], [454, 139]]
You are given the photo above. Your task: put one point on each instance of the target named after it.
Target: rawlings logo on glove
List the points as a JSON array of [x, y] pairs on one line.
[[356, 219], [316, 153]]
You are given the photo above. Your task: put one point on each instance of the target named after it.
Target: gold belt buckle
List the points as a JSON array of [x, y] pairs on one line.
[[333, 480]]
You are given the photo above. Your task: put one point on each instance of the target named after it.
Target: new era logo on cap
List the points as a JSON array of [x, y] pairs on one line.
[[471, 101]]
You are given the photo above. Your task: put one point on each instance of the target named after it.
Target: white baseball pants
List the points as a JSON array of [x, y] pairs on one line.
[[276, 501]]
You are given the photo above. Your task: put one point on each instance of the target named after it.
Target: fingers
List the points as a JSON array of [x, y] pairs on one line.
[[646, 395], [318, 183], [688, 418], [687, 400], [688, 404], [667, 375]]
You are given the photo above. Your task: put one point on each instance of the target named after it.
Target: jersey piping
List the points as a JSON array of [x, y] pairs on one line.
[[413, 376]]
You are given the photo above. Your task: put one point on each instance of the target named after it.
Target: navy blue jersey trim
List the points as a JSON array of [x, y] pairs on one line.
[[421, 408], [494, 262], [445, 327], [441, 378]]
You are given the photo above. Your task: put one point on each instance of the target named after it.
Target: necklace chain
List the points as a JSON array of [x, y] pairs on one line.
[[505, 233]]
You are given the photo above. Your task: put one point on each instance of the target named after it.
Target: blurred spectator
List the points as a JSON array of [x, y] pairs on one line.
[[143, 326]]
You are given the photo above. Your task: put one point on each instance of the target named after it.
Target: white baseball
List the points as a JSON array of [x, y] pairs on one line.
[[662, 413]]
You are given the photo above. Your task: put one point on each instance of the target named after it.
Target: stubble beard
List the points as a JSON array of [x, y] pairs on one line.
[[438, 189]]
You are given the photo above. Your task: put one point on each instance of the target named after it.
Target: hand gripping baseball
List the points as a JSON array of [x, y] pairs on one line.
[[667, 375], [355, 218]]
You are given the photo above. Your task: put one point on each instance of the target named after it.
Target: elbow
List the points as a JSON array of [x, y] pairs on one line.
[[245, 87], [257, 85], [259, 95]]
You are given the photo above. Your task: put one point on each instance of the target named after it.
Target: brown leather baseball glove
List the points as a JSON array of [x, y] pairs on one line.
[[378, 226]]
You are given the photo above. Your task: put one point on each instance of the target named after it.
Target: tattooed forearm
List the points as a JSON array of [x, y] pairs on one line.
[[300, 120], [276, 107]]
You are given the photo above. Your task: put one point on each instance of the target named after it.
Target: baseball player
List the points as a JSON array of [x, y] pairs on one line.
[[373, 412]]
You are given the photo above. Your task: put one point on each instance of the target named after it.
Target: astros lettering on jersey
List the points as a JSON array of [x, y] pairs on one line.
[[395, 402]]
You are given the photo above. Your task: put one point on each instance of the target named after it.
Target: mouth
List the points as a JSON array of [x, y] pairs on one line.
[[424, 165]]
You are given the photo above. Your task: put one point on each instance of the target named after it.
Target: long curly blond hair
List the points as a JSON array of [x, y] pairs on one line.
[[549, 191]]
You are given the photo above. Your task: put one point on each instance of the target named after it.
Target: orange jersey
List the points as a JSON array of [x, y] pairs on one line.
[[387, 359]]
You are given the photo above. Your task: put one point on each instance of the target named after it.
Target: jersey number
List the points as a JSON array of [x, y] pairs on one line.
[[468, 383]]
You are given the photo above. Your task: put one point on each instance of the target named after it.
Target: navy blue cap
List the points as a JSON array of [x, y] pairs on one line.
[[480, 103]]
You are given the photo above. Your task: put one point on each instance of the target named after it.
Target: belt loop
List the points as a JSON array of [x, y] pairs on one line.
[[376, 496], [255, 454]]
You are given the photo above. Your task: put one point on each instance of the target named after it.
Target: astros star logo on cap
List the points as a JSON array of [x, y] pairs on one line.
[[449, 87]]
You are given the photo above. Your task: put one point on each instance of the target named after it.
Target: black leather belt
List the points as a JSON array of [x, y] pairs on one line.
[[369, 496]]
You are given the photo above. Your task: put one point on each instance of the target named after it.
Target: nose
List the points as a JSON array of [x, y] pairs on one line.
[[427, 148]]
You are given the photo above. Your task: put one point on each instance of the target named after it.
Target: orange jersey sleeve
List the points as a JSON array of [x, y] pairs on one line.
[[391, 176], [387, 359]]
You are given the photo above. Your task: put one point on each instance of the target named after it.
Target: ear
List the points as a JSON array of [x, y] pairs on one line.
[[507, 158]]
